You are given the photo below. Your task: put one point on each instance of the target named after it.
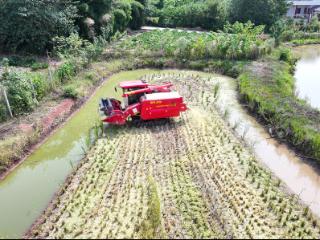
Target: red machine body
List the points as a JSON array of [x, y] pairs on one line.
[[142, 100]]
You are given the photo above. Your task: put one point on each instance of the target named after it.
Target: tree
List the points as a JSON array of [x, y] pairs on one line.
[[94, 17], [215, 14], [30, 25], [260, 12], [137, 14]]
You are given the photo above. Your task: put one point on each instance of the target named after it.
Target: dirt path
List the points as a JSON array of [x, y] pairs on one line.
[[183, 178]]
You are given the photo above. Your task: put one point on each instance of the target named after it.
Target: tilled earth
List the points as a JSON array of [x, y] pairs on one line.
[[183, 178]]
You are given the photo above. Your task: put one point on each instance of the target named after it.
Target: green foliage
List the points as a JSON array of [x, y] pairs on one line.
[[3, 113], [93, 17], [39, 84], [305, 41], [66, 71], [36, 66], [241, 41], [137, 14], [286, 55], [260, 12], [106, 17], [287, 30], [122, 15], [24, 90], [77, 50], [24, 61], [69, 46], [278, 29], [29, 25], [70, 92], [20, 91], [314, 25], [237, 42], [208, 14]]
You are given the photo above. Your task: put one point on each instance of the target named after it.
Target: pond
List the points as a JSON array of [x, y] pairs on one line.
[[308, 74]]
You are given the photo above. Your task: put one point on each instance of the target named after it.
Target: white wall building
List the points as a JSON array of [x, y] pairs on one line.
[[303, 9]]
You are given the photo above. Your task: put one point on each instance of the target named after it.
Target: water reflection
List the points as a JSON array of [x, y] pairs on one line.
[[308, 74]]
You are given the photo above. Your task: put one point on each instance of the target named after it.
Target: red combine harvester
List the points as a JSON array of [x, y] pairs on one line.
[[144, 101]]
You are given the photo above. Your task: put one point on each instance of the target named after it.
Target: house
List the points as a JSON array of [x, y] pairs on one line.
[[303, 9]]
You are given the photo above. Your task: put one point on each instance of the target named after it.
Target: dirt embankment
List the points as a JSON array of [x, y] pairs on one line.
[[184, 178], [20, 137]]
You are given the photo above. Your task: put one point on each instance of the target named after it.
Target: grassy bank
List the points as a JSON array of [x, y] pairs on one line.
[[308, 41], [267, 87]]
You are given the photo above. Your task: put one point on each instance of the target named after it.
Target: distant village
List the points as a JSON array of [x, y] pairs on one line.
[[303, 10]]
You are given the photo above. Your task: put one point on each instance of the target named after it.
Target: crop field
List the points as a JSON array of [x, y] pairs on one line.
[[189, 177], [183, 45]]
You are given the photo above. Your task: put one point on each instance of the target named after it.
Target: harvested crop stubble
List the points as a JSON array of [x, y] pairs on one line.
[[183, 178]]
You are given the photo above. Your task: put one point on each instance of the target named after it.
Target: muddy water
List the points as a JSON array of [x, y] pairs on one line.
[[301, 178], [25, 193], [308, 74]]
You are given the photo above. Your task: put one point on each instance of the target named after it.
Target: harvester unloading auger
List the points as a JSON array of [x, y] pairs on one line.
[[144, 101]]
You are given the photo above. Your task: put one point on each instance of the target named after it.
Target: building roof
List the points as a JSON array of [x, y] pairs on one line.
[[305, 2]]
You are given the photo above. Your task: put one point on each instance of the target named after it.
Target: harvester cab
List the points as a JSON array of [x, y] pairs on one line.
[[142, 100], [128, 90]]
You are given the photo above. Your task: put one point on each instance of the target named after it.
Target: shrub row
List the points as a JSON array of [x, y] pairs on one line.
[[24, 61]]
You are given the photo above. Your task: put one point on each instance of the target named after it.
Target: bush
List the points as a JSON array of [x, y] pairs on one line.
[[70, 92], [314, 25], [80, 51], [40, 85], [20, 91], [66, 71], [286, 55]]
